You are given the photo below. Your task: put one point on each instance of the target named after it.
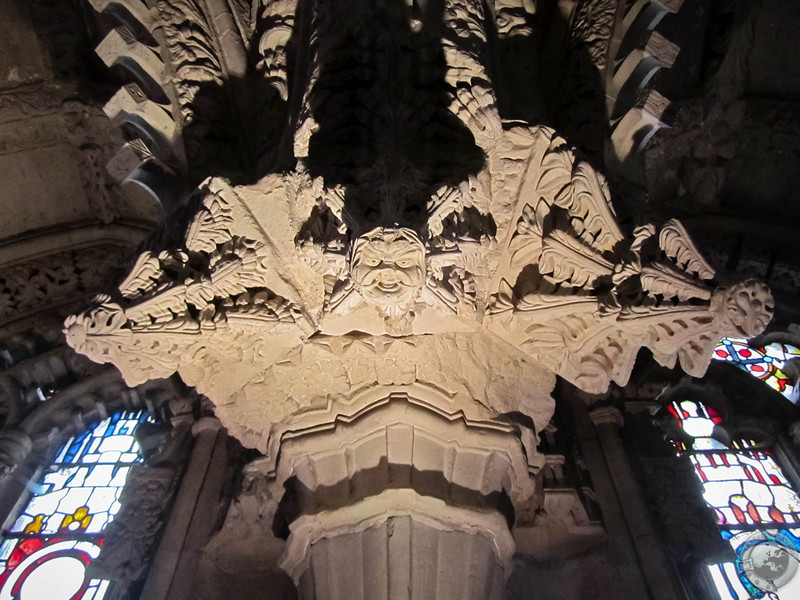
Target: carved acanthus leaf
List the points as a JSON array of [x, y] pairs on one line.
[[676, 244], [276, 21], [143, 278], [210, 300], [565, 259], [591, 209], [573, 294], [664, 280]]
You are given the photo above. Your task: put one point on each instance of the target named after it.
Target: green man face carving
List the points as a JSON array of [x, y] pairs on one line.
[[388, 266]]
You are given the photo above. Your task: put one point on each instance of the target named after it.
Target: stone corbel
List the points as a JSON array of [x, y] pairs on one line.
[[154, 121], [119, 47], [635, 110], [125, 9], [135, 162], [634, 73]]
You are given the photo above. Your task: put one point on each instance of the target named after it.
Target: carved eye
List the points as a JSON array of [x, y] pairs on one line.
[[405, 263], [372, 261]]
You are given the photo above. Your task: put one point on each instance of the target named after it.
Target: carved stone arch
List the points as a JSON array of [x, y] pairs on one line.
[[37, 436]]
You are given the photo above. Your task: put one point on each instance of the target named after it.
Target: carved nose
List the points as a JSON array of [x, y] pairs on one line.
[[388, 275]]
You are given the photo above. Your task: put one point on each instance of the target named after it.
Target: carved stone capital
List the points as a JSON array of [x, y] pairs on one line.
[[206, 424], [14, 448], [607, 415]]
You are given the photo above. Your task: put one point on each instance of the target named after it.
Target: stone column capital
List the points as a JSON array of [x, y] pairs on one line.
[[206, 424], [607, 414]]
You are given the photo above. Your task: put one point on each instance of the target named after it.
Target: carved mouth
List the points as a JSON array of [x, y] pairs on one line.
[[388, 287]]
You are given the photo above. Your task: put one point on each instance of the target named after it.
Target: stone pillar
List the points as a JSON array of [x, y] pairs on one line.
[[191, 516], [645, 545], [401, 501]]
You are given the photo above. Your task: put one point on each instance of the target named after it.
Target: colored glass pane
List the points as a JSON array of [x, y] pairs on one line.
[[765, 363], [44, 553], [747, 489], [766, 566]]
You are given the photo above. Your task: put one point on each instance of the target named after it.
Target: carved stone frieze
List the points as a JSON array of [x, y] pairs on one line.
[[54, 280]]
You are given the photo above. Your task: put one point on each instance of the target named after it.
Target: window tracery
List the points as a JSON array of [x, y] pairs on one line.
[[61, 528], [766, 362], [756, 509]]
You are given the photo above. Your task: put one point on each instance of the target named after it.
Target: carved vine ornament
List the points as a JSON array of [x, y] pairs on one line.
[[288, 296]]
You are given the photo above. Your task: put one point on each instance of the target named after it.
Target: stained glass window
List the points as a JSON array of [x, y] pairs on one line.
[[756, 508], [44, 553], [765, 363]]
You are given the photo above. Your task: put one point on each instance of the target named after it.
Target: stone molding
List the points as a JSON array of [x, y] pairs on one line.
[[404, 443], [51, 281], [378, 513]]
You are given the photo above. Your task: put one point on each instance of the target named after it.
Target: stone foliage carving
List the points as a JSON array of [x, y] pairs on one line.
[[190, 41], [130, 538], [582, 299], [43, 114], [218, 284], [296, 292], [276, 21], [33, 286], [592, 26], [264, 267], [585, 311]]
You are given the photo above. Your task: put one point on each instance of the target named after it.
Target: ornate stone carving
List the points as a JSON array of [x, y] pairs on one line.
[[130, 538], [416, 255], [388, 267], [592, 26], [54, 280], [558, 280], [583, 299], [276, 20]]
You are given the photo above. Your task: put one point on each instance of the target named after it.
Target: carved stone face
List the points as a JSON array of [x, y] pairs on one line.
[[388, 266]]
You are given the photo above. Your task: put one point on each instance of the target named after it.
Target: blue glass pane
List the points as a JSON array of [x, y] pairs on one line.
[[60, 530]]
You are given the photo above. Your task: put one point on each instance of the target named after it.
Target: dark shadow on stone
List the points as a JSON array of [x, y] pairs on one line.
[[381, 106], [299, 499]]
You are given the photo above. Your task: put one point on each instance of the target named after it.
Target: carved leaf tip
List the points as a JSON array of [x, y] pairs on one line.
[[676, 243]]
